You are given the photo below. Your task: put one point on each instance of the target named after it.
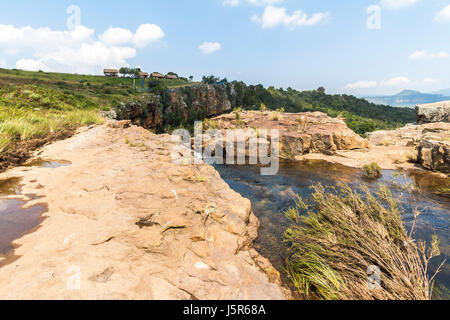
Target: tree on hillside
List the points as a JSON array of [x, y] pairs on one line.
[[124, 71], [210, 79], [214, 80], [133, 72]]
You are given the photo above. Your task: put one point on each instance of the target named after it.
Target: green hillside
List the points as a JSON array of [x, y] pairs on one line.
[[104, 92]]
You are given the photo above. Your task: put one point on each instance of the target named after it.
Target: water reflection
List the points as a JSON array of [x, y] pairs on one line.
[[49, 164], [15, 220], [272, 195]]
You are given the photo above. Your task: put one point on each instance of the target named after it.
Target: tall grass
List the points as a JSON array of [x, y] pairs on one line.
[[32, 112], [344, 234]]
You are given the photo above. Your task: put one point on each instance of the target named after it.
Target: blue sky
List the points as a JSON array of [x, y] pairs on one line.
[[303, 44]]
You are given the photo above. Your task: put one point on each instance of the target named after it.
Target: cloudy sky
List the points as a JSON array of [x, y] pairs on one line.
[[361, 47]]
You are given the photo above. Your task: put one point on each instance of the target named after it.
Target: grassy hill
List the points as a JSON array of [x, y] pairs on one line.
[[37, 107], [104, 92]]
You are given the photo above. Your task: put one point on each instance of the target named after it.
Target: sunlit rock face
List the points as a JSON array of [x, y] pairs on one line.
[[299, 133], [433, 112], [433, 147]]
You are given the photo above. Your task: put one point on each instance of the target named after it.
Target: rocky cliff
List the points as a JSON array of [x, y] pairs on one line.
[[433, 112], [174, 107]]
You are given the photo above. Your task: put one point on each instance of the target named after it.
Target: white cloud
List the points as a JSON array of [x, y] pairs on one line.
[[397, 4], [365, 84], [77, 50], [263, 2], [431, 81], [88, 58], [236, 3], [41, 39], [231, 3], [2, 63], [443, 15], [209, 47], [425, 55], [395, 82], [275, 16], [116, 36], [146, 34]]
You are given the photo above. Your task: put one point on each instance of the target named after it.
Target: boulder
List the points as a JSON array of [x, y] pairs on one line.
[[434, 154], [433, 112]]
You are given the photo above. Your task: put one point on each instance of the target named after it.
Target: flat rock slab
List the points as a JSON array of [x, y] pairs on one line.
[[124, 222]]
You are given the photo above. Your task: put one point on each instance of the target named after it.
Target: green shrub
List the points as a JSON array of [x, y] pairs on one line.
[[372, 171]]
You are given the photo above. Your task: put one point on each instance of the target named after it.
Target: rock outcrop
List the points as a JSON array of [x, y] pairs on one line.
[[433, 112], [426, 144], [300, 133], [131, 224], [177, 106], [433, 148]]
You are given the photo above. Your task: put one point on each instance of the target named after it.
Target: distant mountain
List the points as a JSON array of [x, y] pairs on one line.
[[410, 98], [445, 92]]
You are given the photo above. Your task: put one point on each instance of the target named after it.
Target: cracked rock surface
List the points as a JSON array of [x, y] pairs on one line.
[[124, 222]]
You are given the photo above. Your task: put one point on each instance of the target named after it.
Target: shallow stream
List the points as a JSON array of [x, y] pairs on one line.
[[272, 195]]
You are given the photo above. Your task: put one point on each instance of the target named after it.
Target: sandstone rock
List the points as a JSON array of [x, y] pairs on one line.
[[434, 154], [300, 133], [119, 124], [433, 112], [427, 144], [119, 221]]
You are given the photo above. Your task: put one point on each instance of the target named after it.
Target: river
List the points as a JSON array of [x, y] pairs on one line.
[[272, 195]]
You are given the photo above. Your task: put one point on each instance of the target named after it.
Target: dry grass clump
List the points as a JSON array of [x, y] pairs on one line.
[[412, 156], [442, 191], [237, 120], [303, 124], [201, 178], [372, 171], [275, 116], [346, 235], [211, 124]]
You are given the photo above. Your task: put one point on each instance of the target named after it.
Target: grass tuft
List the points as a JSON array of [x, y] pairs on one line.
[[346, 235], [372, 171]]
